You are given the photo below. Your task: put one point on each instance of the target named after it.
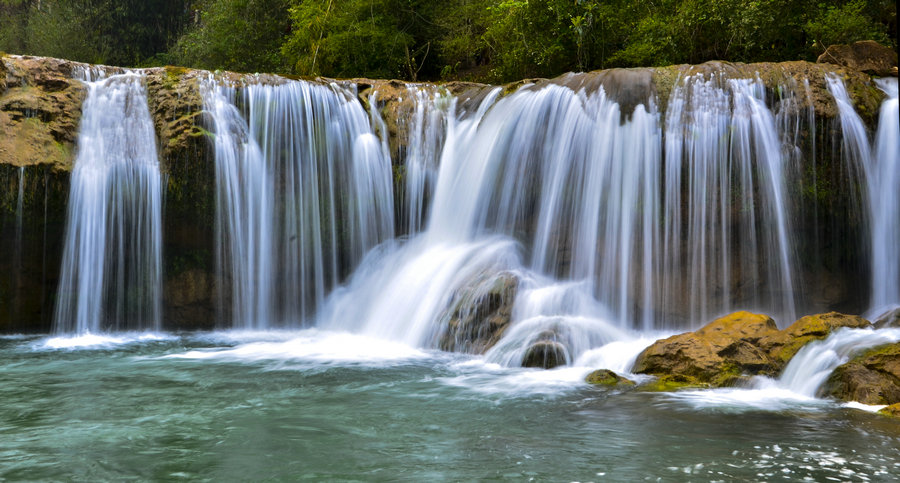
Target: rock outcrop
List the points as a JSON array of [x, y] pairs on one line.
[[873, 377], [732, 348], [866, 56]]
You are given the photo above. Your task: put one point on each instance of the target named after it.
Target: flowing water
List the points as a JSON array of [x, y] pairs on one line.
[[607, 227], [111, 274], [303, 192], [313, 404]]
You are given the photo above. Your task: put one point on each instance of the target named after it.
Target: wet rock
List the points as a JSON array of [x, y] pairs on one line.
[[480, 313], [867, 56], [605, 377], [870, 378], [729, 350], [545, 354], [889, 319]]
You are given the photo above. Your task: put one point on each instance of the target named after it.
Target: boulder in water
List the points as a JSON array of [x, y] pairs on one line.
[[870, 378], [545, 354], [889, 319], [729, 350], [867, 56], [718, 354], [605, 377]]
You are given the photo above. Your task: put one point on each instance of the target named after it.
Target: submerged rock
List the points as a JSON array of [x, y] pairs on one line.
[[605, 377], [730, 349], [545, 354], [867, 56], [889, 319], [870, 378]]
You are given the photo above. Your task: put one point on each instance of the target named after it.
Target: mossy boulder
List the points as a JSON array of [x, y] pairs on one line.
[[867, 56], [873, 377], [606, 377], [717, 354], [893, 411], [729, 350]]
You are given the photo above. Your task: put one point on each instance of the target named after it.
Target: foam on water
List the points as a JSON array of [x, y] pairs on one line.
[[100, 341], [316, 346]]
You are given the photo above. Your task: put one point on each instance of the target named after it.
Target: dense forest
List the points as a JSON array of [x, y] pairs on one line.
[[482, 40]]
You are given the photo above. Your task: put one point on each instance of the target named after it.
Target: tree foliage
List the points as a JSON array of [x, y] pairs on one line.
[[487, 40]]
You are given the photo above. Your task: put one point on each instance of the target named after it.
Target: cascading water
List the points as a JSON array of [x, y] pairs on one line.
[[303, 192], [884, 197], [608, 221], [111, 274], [812, 365], [426, 129], [880, 165]]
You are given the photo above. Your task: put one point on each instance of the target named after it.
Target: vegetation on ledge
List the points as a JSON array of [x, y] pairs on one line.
[[478, 40]]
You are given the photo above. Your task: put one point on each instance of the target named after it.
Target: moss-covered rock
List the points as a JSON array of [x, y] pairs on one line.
[[893, 411], [867, 56], [873, 377], [605, 377], [40, 108], [732, 348]]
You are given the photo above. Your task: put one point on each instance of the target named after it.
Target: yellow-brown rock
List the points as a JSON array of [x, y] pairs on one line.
[[870, 378], [729, 349]]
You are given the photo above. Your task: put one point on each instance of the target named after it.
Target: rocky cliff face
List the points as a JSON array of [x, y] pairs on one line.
[[40, 108]]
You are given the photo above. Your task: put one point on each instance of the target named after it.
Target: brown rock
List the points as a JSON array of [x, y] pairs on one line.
[[731, 348], [867, 56], [716, 354], [870, 378]]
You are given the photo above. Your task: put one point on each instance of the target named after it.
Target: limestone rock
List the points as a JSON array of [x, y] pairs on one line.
[[889, 319], [870, 378], [40, 108], [480, 313], [729, 349], [605, 377], [867, 56]]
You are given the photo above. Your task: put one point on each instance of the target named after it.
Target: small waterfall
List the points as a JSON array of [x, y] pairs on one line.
[[111, 274], [727, 242], [426, 128], [303, 192], [884, 198], [811, 366]]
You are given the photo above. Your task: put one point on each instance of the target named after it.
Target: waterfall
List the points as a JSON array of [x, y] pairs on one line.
[[884, 199], [303, 191], [111, 273]]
